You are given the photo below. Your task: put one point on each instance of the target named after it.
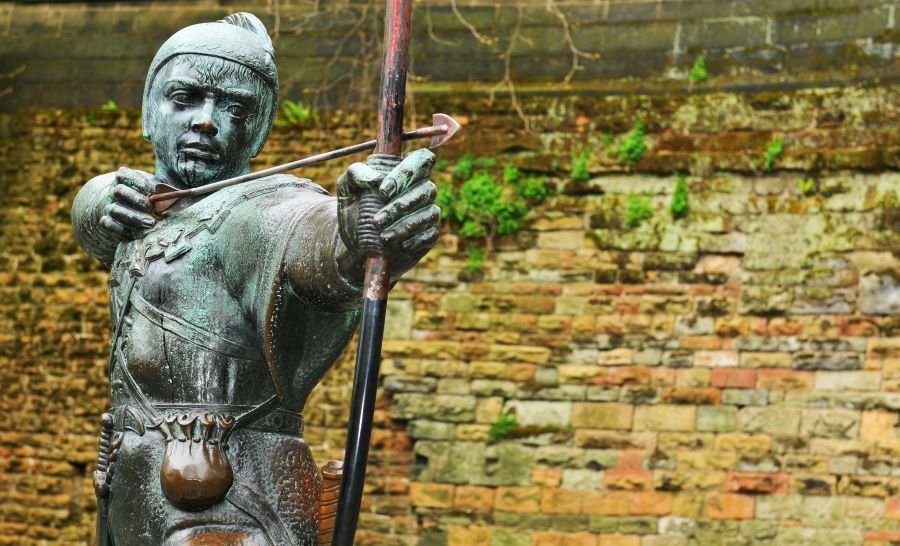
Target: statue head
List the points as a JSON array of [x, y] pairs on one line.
[[210, 99]]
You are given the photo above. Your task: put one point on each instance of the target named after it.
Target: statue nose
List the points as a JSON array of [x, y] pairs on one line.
[[205, 125], [203, 121]]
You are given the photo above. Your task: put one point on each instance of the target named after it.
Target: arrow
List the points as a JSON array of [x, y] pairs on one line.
[[164, 196]]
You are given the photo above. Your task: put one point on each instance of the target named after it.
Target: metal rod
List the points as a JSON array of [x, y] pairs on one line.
[[167, 195], [377, 280]]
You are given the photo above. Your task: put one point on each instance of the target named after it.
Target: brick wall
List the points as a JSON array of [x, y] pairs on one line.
[[726, 378], [85, 54]]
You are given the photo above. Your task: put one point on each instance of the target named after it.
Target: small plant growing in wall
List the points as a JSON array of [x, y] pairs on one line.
[[580, 167], [773, 151], [485, 203], [698, 72], [634, 147], [638, 210], [110, 106], [501, 428], [679, 204], [807, 186], [297, 115]]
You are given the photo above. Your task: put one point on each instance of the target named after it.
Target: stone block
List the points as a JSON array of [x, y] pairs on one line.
[[878, 425], [757, 483], [785, 380], [518, 499], [431, 430], [716, 359], [431, 495], [493, 387], [745, 397], [716, 418], [398, 322], [581, 478], [539, 413], [474, 499], [441, 407], [473, 535], [510, 537], [830, 423], [778, 421], [741, 378], [879, 293], [730, 506], [765, 360], [848, 381], [560, 501], [506, 464], [827, 361], [665, 418], [602, 416]]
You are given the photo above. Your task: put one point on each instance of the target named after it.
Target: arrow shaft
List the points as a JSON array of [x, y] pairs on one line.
[[423, 132]]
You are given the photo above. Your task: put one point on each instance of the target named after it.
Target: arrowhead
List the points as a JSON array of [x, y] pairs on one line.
[[451, 124], [161, 203]]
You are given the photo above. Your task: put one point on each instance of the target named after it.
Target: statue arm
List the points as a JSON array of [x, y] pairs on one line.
[[88, 207], [320, 268]]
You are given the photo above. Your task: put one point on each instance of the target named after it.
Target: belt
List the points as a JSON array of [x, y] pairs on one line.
[[279, 420]]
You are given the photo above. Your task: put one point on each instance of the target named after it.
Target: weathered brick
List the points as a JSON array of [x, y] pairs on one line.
[[676, 418], [740, 378], [518, 499], [602, 416], [729, 506], [848, 381], [431, 495]]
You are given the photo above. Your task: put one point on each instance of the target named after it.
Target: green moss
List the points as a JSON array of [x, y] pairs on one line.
[[580, 166], [634, 147], [679, 204], [698, 72], [475, 260], [465, 167], [110, 106], [807, 186], [298, 115], [639, 209], [773, 151], [501, 428], [511, 175], [534, 188]]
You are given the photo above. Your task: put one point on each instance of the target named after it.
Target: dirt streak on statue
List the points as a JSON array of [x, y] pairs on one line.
[[230, 310]]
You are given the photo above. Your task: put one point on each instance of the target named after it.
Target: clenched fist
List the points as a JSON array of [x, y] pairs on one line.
[[407, 223]]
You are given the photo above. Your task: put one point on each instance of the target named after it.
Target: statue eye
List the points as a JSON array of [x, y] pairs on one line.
[[238, 111], [184, 98]]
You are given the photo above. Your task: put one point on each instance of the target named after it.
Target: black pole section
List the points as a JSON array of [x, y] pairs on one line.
[[378, 277]]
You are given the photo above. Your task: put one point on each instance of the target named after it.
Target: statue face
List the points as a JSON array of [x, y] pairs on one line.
[[206, 113]]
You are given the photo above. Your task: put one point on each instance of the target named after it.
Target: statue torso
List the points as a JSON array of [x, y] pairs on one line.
[[190, 333]]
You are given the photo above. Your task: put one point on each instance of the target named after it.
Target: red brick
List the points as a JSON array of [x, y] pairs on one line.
[[739, 378], [892, 510]]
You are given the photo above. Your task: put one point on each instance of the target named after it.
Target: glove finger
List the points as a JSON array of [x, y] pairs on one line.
[[417, 222], [132, 198], [415, 166], [135, 180], [130, 218], [424, 240], [422, 194], [357, 178], [117, 230]]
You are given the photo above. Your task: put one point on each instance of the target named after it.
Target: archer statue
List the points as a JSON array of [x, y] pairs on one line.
[[231, 307]]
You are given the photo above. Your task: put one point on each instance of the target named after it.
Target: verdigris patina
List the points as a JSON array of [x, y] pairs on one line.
[[231, 308]]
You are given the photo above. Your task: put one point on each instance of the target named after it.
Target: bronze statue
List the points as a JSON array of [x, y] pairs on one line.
[[231, 307]]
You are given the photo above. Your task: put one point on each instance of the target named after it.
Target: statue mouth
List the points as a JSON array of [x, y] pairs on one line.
[[199, 151]]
